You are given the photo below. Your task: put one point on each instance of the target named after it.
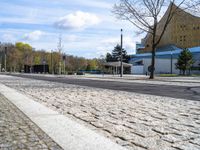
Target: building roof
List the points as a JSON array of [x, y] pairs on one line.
[[117, 64], [172, 50], [179, 30]]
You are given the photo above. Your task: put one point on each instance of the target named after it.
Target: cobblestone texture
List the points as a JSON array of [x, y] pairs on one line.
[[135, 121], [17, 132]]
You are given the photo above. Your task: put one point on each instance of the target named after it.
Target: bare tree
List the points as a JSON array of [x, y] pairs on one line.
[[60, 48], [146, 14]]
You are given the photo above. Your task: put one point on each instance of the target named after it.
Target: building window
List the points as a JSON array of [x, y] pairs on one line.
[[182, 38], [183, 27]]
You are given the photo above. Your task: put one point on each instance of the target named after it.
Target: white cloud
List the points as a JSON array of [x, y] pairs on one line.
[[71, 38], [107, 45], [128, 43], [8, 38], [33, 36], [78, 20]]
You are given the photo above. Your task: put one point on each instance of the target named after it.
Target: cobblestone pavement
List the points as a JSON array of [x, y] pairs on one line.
[[135, 121], [17, 132]]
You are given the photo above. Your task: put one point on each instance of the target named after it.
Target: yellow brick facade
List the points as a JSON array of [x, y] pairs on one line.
[[183, 31]]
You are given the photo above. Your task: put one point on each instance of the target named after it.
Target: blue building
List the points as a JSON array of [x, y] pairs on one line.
[[166, 58]]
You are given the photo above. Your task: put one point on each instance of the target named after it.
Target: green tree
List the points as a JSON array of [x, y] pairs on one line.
[[199, 66], [116, 54], [92, 65], [55, 62], [185, 61], [109, 57], [100, 63], [25, 51], [13, 59]]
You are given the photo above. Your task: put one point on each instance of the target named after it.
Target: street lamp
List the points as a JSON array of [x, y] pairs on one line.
[[44, 69], [64, 63], [5, 52], [171, 61], [121, 57], [52, 70], [0, 57]]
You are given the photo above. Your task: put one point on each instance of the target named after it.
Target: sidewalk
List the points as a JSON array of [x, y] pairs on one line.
[[18, 132]]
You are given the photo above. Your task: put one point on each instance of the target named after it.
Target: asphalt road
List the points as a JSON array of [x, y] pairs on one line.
[[183, 92]]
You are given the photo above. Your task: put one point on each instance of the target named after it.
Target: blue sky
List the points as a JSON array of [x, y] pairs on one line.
[[88, 27]]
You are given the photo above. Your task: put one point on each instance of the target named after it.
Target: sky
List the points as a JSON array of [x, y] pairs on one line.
[[87, 27]]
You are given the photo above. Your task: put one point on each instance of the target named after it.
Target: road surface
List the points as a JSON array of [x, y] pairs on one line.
[[183, 92]]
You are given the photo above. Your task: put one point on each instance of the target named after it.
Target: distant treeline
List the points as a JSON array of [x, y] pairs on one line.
[[20, 54]]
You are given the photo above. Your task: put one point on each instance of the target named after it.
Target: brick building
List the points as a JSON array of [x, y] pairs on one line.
[[183, 31]]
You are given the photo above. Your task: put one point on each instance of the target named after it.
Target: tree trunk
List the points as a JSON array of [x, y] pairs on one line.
[[152, 63], [153, 50], [184, 72]]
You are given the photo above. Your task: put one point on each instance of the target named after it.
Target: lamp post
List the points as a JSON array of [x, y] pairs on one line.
[[121, 57], [5, 52], [64, 63], [44, 69], [52, 70], [0, 58], [171, 61]]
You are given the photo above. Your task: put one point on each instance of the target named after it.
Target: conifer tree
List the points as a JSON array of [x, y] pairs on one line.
[[185, 61], [116, 53]]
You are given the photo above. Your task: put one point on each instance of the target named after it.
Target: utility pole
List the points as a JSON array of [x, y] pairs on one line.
[[121, 58]]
